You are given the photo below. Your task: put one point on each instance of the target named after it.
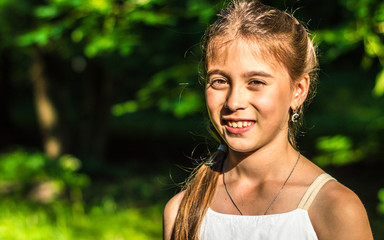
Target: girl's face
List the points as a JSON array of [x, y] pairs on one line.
[[248, 98]]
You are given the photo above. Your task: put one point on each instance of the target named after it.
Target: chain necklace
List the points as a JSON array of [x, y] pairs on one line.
[[277, 195]]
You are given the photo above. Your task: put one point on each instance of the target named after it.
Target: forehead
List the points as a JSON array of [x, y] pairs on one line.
[[242, 52]]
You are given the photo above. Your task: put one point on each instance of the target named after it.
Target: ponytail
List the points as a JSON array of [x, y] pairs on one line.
[[199, 192]]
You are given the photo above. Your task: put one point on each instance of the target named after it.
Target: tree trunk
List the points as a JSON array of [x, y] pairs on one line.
[[51, 100], [47, 111]]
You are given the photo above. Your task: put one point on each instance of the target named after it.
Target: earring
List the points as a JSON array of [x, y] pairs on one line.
[[295, 115]]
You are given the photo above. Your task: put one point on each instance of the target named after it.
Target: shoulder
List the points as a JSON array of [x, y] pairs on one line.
[[170, 213], [338, 213]]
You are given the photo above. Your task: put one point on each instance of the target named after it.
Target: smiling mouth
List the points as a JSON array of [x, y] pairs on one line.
[[238, 124]]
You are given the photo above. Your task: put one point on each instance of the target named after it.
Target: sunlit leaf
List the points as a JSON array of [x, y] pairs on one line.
[[374, 46], [69, 162], [204, 10], [40, 36], [99, 5], [336, 150], [378, 90], [189, 103], [380, 195], [77, 35], [46, 11], [98, 45], [151, 18], [379, 13], [123, 108]]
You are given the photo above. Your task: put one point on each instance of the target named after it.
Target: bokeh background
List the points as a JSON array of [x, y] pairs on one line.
[[101, 110]]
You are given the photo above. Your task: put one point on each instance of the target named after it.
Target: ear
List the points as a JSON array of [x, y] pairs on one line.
[[300, 91]]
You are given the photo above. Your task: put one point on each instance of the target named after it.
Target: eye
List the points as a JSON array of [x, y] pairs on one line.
[[218, 83], [256, 83]]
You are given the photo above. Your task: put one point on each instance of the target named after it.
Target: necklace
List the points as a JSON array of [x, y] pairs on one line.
[[274, 199]]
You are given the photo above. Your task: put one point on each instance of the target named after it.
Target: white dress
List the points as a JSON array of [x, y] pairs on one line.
[[293, 225]]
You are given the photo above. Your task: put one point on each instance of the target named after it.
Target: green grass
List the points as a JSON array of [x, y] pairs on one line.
[[44, 199], [20, 221]]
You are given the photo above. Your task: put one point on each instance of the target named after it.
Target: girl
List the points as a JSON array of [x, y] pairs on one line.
[[260, 69]]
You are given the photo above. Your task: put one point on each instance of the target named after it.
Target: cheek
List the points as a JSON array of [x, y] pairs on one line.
[[212, 100], [214, 104], [275, 103]]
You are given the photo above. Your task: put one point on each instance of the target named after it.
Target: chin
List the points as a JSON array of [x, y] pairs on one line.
[[243, 148]]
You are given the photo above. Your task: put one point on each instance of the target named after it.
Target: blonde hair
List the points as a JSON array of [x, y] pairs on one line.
[[279, 36]]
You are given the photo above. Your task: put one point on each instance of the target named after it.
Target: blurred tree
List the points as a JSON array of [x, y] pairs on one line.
[[362, 25], [81, 32], [68, 41], [352, 51]]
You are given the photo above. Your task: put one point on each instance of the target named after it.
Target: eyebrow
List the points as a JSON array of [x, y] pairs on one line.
[[217, 71], [256, 73], [244, 75]]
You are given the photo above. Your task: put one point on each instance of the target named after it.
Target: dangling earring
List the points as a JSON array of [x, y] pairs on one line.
[[295, 115]]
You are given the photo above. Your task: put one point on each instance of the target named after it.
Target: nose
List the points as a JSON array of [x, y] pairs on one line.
[[236, 98]]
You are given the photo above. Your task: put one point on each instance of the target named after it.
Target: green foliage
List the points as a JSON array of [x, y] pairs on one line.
[[378, 90], [19, 221], [32, 175], [123, 108], [96, 26], [380, 207], [34, 206], [336, 150], [168, 91], [364, 26], [40, 36], [202, 9]]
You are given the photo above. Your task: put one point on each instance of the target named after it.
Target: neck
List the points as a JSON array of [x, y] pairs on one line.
[[262, 164]]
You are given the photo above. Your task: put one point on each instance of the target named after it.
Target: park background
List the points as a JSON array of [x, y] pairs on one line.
[[101, 110]]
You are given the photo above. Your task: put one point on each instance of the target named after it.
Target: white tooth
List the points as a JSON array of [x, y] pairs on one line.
[[240, 124], [245, 124], [230, 124], [234, 125]]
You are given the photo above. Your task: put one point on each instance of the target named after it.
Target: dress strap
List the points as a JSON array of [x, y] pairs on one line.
[[313, 190]]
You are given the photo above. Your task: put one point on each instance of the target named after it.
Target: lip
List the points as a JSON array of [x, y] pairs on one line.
[[234, 130]]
